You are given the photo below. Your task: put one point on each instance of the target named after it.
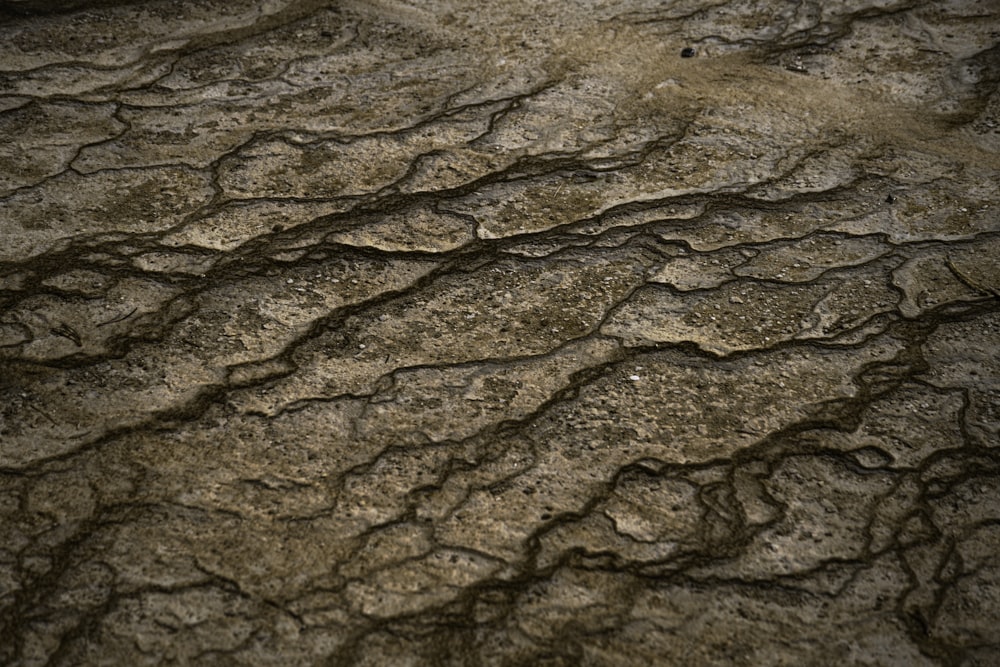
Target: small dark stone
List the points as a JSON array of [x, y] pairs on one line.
[[890, 199], [687, 52]]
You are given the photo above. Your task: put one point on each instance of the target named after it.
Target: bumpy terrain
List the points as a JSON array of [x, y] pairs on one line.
[[499, 333]]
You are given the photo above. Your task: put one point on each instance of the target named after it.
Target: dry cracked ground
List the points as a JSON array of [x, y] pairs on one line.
[[499, 333]]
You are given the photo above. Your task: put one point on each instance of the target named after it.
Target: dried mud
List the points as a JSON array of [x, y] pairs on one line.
[[499, 333]]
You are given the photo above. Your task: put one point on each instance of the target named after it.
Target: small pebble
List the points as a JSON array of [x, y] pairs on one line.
[[687, 52]]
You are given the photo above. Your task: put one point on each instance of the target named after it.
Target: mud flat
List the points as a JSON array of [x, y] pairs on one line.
[[499, 333]]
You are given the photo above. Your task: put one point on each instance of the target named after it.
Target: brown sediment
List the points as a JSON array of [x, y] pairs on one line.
[[499, 333]]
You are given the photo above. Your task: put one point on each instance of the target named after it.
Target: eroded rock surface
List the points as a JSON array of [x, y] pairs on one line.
[[499, 333]]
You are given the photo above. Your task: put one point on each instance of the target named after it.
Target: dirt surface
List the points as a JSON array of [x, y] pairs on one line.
[[500, 333]]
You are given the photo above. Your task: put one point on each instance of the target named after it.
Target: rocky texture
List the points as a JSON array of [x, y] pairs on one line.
[[499, 333]]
